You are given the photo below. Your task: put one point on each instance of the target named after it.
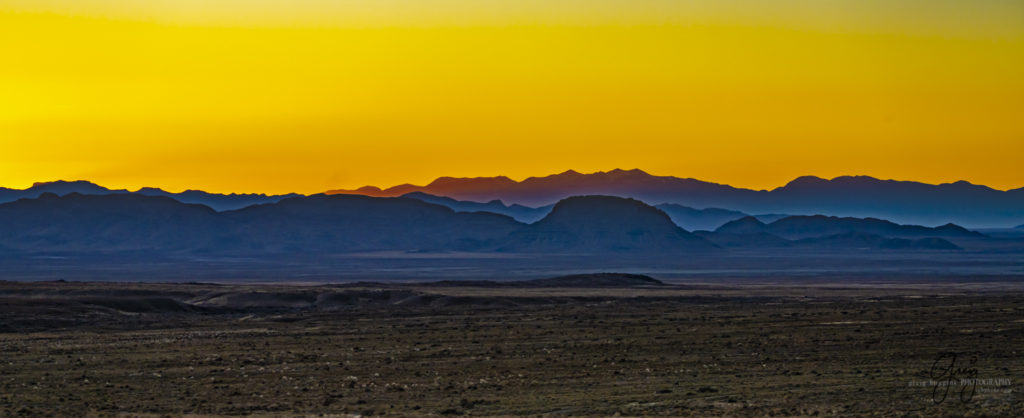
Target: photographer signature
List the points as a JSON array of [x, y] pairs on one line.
[[949, 372]]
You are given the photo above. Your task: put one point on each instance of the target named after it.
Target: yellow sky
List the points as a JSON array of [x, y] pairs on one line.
[[309, 95]]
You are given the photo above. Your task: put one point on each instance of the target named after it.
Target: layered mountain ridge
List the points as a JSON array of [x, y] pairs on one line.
[[906, 202], [692, 204], [800, 227], [326, 224]]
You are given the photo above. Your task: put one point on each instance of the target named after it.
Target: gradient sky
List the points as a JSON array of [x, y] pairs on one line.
[[309, 95]]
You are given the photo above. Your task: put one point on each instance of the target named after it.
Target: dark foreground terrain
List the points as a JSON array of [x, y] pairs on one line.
[[634, 348]]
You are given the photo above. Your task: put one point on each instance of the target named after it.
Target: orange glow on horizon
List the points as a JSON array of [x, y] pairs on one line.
[[272, 97]]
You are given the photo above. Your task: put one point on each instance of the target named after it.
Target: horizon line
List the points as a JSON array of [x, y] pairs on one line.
[[568, 171]]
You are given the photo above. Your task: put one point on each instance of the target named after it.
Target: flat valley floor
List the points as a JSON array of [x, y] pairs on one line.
[[73, 349]]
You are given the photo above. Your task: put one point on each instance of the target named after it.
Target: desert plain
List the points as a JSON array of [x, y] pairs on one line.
[[624, 346]]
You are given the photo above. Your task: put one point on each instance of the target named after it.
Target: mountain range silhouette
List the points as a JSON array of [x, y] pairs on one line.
[[692, 204], [685, 217], [800, 227], [324, 224], [906, 202], [833, 232], [220, 202]]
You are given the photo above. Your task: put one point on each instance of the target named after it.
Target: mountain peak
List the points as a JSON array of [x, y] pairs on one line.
[[606, 223], [859, 177], [806, 181], [616, 207], [447, 180], [369, 189], [64, 183], [966, 185], [744, 225], [62, 187], [636, 172], [145, 190]]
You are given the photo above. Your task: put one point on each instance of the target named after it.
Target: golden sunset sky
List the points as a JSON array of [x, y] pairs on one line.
[[308, 95]]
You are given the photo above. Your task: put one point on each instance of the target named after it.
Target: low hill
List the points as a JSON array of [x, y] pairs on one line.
[[595, 280], [872, 241], [833, 232], [799, 227], [604, 223], [585, 280], [744, 225]]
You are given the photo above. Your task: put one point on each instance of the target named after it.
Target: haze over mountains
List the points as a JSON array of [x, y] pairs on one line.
[[518, 212], [685, 217], [328, 224], [799, 227], [692, 204], [907, 202], [833, 232]]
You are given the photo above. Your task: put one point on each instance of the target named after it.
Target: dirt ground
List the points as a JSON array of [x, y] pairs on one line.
[[107, 349]]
